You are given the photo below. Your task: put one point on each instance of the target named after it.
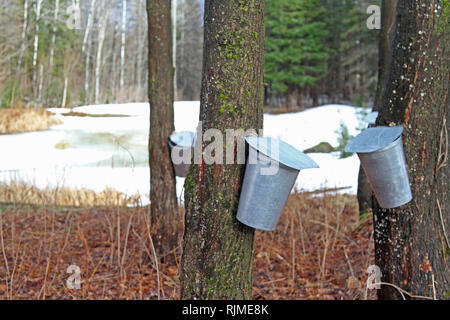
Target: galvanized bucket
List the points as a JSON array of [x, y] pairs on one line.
[[271, 171], [380, 150], [181, 146]]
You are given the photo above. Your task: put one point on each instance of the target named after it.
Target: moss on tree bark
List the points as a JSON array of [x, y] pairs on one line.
[[411, 242], [218, 250]]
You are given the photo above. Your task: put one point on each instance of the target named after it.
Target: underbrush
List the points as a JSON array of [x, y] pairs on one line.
[[21, 192], [20, 120], [320, 250]]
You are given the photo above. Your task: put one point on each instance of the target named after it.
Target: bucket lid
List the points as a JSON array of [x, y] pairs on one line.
[[374, 139], [287, 154], [183, 138]]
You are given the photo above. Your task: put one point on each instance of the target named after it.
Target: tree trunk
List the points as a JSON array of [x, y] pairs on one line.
[[140, 49], [86, 47], [218, 250], [89, 25], [17, 81], [37, 4], [52, 45], [388, 10], [98, 60], [163, 199], [174, 45], [411, 243], [122, 47]]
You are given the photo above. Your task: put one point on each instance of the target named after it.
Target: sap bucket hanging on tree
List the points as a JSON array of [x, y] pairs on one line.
[[181, 146], [380, 150], [271, 171]]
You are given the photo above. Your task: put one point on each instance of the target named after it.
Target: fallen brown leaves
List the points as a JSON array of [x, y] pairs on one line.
[[319, 251]]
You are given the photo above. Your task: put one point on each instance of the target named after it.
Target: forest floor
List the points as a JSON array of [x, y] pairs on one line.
[[18, 120], [321, 249]]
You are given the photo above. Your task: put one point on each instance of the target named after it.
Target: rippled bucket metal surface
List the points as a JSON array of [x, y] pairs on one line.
[[181, 146], [380, 150], [271, 171]]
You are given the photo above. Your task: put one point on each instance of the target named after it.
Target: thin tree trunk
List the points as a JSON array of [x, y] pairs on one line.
[[388, 11], [52, 46], [37, 4], [22, 51], [122, 48], [89, 25], [114, 67], [64, 100], [164, 208], [86, 48], [98, 61], [140, 48], [411, 242], [87, 72], [218, 250], [41, 81]]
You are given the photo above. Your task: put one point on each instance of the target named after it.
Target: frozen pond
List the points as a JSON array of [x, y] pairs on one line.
[[111, 151]]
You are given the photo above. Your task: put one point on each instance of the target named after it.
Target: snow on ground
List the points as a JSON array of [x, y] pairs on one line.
[[101, 152]]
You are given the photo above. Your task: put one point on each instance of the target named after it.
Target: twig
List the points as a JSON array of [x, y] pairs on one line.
[[348, 262], [442, 156], [442, 223], [402, 291], [155, 258], [126, 244], [334, 229], [8, 276]]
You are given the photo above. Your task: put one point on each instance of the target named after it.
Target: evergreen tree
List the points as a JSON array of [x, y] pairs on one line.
[[295, 46]]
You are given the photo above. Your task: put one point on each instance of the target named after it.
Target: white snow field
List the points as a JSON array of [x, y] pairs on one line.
[[111, 152]]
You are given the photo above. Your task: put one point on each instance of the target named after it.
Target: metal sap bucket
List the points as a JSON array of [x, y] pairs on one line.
[[271, 171], [181, 147], [380, 150]]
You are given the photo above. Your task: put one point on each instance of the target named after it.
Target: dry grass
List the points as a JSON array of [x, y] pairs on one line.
[[319, 251], [25, 120], [20, 192]]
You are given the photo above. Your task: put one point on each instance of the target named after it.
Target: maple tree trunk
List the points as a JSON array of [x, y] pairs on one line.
[[411, 242], [160, 89], [218, 250], [388, 10]]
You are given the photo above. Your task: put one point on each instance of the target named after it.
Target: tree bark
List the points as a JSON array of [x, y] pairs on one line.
[[411, 242], [98, 60], [17, 81], [162, 177], [388, 9], [37, 5], [218, 250], [174, 45], [122, 47]]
